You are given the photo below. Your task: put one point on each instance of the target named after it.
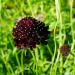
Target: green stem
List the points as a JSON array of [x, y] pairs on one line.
[[72, 31], [49, 50], [16, 55], [37, 58], [22, 63]]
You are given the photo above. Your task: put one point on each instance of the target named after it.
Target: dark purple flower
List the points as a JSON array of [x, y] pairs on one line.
[[28, 32], [65, 49]]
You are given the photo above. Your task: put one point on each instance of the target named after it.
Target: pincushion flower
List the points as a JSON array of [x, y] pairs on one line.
[[65, 49], [29, 32]]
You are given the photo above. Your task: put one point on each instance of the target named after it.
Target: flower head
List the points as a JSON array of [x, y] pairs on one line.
[[28, 32], [65, 49]]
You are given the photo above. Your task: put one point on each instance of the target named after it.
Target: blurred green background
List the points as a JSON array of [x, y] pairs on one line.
[[59, 15]]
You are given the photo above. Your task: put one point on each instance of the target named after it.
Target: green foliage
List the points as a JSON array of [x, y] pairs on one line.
[[59, 15]]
